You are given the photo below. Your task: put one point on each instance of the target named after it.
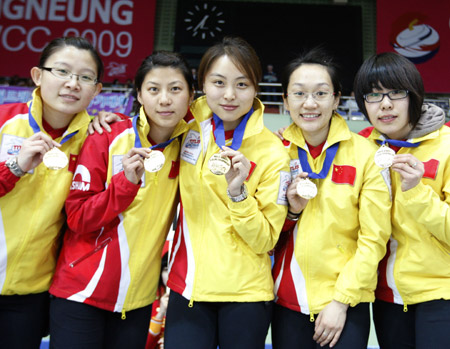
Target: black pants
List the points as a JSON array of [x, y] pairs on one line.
[[425, 325], [23, 320], [291, 329], [231, 325], [78, 325]]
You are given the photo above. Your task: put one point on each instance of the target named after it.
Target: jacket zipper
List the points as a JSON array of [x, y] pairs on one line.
[[27, 236], [90, 253]]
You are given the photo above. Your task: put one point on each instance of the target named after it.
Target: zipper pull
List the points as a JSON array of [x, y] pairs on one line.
[[123, 315], [191, 303], [311, 317], [405, 308]]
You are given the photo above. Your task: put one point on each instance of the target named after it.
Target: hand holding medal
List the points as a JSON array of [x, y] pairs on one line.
[[239, 169], [134, 164], [409, 168], [297, 203], [34, 150]]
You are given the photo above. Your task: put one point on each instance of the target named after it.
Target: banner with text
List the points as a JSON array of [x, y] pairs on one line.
[[121, 30], [420, 31]]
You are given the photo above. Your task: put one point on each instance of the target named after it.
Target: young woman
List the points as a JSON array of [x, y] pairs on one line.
[[326, 262], [31, 194], [412, 309], [220, 270], [120, 207]]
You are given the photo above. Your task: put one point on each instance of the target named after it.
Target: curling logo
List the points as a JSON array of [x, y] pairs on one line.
[[414, 39]]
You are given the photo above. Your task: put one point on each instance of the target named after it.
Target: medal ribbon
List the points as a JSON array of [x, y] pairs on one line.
[[137, 140], [34, 125], [329, 157], [219, 132], [397, 143]]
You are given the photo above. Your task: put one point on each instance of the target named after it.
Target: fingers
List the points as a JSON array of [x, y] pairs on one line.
[[143, 152], [296, 203], [133, 163], [135, 157], [39, 143], [335, 339], [409, 160], [327, 335], [101, 122], [238, 161]]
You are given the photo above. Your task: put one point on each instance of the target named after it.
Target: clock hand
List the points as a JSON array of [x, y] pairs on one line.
[[201, 24]]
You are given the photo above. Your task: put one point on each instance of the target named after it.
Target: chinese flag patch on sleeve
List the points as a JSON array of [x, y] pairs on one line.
[[431, 168], [73, 162], [344, 174]]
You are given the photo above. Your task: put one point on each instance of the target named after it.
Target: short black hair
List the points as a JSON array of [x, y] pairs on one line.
[[391, 71]]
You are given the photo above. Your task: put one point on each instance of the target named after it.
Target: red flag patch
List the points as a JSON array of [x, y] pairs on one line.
[[72, 162], [344, 174], [175, 169], [431, 168], [252, 168]]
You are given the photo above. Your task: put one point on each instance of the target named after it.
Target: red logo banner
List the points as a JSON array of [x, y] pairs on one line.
[[418, 30], [121, 30]]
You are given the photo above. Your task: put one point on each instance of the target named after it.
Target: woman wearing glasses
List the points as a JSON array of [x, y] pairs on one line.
[[412, 307], [326, 260], [39, 142], [119, 211]]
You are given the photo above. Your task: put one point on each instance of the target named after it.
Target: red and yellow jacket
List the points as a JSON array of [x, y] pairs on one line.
[[111, 253], [31, 208]]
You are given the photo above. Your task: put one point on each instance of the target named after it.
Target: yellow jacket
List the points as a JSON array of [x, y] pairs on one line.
[[341, 235], [220, 247], [32, 212], [418, 267]]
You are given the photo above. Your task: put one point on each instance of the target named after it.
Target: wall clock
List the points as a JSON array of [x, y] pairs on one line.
[[204, 21]]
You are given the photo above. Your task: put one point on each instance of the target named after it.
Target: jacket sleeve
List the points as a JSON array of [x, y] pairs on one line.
[[7, 179], [91, 206], [259, 219], [430, 210], [359, 274]]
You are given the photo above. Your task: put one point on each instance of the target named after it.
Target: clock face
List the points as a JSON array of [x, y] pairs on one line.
[[204, 21]]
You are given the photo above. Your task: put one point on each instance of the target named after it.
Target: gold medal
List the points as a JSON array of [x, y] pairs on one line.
[[219, 165], [155, 161], [55, 159], [306, 189], [384, 156]]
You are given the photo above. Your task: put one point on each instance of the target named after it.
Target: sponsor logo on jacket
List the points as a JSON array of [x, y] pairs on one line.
[[81, 179]]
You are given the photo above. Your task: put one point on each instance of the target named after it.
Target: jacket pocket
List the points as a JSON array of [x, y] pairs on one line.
[[99, 247]]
